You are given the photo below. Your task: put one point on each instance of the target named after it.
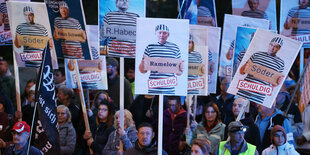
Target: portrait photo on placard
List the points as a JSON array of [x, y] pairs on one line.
[[206, 13], [117, 26], [162, 56], [228, 39], [69, 29], [243, 38], [31, 33], [264, 67], [214, 35], [93, 73], [198, 60], [295, 20], [262, 9]]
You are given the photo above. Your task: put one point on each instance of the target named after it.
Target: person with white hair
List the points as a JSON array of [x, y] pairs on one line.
[[267, 59], [70, 48], [161, 49], [30, 28]]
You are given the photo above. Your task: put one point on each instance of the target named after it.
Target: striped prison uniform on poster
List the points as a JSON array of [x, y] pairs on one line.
[[70, 49], [238, 61], [119, 47], [32, 30], [255, 14], [301, 14], [266, 60], [193, 57], [167, 50]]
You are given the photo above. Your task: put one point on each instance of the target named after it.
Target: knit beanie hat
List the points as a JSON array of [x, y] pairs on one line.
[[274, 130]]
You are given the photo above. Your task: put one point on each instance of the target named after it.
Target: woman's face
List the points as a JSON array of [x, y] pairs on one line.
[[61, 115], [28, 86], [101, 97], [119, 121], [196, 150], [210, 114], [103, 112]]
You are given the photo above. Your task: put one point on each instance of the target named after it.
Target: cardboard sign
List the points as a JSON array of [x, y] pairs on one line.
[[303, 23], [163, 65], [263, 73], [120, 31], [70, 34], [196, 84], [302, 38], [33, 41], [195, 69]]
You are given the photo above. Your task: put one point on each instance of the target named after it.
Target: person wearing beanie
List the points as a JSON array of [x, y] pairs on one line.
[[236, 143], [279, 145], [267, 59]]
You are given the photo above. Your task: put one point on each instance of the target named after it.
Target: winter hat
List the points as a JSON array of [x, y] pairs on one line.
[[274, 130]]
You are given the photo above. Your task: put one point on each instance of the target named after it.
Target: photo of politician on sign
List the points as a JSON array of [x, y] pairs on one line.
[[264, 67], [30, 32], [162, 59]]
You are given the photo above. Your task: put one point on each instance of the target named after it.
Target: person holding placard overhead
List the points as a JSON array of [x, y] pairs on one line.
[[162, 49], [265, 59], [71, 47], [26, 33]]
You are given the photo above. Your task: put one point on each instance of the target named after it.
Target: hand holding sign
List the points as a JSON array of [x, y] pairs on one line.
[[142, 65], [181, 67]]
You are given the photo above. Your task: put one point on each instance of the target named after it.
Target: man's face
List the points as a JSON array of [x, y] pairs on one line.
[[131, 74], [278, 138], [303, 3], [122, 5], [64, 12], [58, 77], [273, 48], [237, 136], [111, 69], [3, 67], [174, 106], [253, 4], [237, 107], [61, 96], [162, 36], [29, 17], [20, 138], [145, 136]]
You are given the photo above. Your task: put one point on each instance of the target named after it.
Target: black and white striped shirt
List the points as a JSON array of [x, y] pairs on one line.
[[32, 30], [255, 14], [70, 49], [123, 46], [301, 14], [167, 50], [193, 57], [261, 58]]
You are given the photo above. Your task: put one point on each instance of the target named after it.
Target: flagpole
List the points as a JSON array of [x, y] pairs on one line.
[[80, 90], [16, 74]]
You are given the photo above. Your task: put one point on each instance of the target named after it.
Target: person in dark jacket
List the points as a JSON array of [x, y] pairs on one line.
[[143, 145], [101, 127], [174, 126], [21, 133]]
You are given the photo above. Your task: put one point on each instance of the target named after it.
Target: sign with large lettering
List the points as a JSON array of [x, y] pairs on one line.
[[92, 73], [118, 26], [162, 58], [295, 20], [68, 25], [264, 67], [228, 41], [31, 32], [256, 9]]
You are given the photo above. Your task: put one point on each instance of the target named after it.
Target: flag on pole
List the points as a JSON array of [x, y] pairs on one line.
[[46, 137]]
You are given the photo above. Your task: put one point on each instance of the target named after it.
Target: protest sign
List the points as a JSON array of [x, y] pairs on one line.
[[214, 35], [256, 9], [167, 42], [31, 31], [117, 23], [69, 29], [295, 20], [92, 73], [93, 35], [264, 67], [228, 41], [198, 60], [206, 13]]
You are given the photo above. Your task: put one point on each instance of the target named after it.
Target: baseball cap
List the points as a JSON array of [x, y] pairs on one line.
[[21, 127], [236, 126]]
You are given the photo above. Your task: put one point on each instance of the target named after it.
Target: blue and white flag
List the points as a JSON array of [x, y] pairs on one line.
[[46, 137]]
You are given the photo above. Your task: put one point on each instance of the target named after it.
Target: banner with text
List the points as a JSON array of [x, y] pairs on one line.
[[162, 58], [264, 67], [31, 31]]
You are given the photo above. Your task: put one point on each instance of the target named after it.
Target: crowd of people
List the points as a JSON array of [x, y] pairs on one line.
[[212, 130]]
